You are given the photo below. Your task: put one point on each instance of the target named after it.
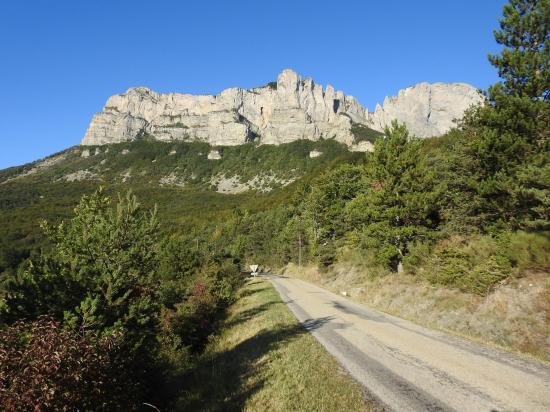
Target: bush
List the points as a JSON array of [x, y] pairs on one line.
[[474, 265], [100, 273], [419, 253], [46, 367], [190, 322], [526, 251], [484, 276]]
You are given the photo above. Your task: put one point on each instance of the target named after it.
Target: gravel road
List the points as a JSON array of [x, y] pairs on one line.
[[411, 368]]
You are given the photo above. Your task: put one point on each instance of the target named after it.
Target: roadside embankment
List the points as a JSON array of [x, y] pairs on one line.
[[515, 316]]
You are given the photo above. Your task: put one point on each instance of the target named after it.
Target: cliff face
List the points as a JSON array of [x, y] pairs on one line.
[[290, 109], [427, 109]]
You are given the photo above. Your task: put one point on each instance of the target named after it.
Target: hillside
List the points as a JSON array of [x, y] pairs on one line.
[[196, 166], [178, 177]]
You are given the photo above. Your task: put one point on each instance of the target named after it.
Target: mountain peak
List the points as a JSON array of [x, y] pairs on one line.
[[139, 90], [292, 108]]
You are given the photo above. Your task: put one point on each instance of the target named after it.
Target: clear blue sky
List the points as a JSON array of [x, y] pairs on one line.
[[60, 60]]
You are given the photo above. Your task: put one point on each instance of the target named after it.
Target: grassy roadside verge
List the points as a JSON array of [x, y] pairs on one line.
[[265, 360]]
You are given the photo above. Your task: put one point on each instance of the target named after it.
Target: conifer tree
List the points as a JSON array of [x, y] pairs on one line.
[[401, 201], [510, 135]]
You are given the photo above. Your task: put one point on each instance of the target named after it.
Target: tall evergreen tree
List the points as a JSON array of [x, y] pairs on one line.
[[400, 203], [510, 135], [524, 62]]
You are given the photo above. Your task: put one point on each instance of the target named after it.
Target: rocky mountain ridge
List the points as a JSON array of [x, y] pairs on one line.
[[290, 109]]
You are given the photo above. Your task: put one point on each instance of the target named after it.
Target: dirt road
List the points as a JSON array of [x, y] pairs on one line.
[[411, 368]]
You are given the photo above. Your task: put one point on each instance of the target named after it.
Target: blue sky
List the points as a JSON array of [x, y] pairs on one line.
[[61, 60]]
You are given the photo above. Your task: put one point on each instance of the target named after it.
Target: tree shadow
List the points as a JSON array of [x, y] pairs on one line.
[[248, 314], [250, 292], [217, 382]]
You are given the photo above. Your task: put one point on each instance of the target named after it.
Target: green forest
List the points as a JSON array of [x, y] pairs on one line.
[[128, 280]]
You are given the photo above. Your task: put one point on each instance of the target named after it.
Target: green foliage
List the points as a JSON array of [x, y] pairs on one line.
[[523, 63], [509, 136], [532, 190], [474, 266], [526, 251], [108, 273], [519, 105], [46, 195], [145, 162], [362, 133], [478, 263], [401, 200], [100, 272], [325, 204], [294, 241], [178, 125]]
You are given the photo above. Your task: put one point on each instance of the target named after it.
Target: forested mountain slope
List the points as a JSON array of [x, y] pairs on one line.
[[178, 177]]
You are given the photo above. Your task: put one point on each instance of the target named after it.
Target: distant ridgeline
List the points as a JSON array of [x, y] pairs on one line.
[[291, 109]]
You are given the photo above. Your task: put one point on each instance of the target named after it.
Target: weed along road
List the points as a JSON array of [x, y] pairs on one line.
[[411, 368]]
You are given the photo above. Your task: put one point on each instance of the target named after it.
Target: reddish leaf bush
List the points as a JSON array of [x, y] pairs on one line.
[[44, 367]]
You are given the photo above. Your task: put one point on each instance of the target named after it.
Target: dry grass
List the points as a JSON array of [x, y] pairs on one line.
[[265, 361], [515, 316]]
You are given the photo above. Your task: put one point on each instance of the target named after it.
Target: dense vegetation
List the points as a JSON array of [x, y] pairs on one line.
[[27, 197], [127, 290], [363, 133], [111, 290]]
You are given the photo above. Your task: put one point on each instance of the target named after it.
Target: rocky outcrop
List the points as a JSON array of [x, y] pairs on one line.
[[214, 155], [315, 153], [293, 108], [427, 109]]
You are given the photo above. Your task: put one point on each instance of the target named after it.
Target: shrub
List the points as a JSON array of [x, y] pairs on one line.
[[46, 367], [419, 253], [447, 266], [526, 251], [474, 265], [484, 276], [100, 273], [188, 325]]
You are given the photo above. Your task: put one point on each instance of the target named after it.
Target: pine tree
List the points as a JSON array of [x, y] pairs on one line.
[[510, 135], [524, 62], [401, 202], [100, 273]]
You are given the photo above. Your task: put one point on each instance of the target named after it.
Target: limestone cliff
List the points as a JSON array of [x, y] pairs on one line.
[[427, 109], [290, 109]]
